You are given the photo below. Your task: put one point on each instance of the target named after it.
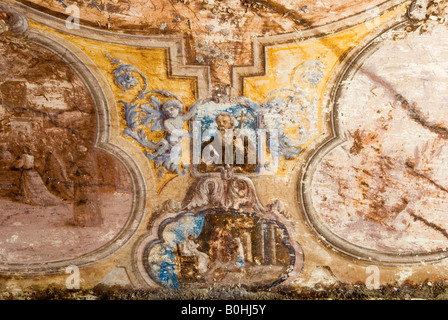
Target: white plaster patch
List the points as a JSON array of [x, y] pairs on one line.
[[12, 239], [404, 274], [321, 275], [117, 277]]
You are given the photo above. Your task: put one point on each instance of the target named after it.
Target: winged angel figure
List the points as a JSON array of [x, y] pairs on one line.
[[167, 117], [153, 115], [148, 112]]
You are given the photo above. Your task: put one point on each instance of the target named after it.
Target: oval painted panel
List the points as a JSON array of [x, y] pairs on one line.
[[60, 197], [383, 192], [219, 246]]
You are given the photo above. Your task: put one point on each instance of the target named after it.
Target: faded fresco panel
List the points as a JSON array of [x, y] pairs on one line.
[[384, 188], [60, 196], [222, 148]]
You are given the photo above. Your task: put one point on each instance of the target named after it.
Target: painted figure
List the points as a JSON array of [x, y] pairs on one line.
[[173, 124], [33, 189], [219, 148], [189, 248], [87, 202], [57, 176], [169, 118]]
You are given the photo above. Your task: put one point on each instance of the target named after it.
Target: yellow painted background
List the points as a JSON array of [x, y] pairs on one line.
[[281, 62]]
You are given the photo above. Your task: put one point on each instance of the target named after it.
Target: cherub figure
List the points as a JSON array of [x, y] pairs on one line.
[[170, 118], [174, 120]]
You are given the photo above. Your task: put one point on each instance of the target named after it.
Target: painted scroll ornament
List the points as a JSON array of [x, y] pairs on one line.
[[164, 112]]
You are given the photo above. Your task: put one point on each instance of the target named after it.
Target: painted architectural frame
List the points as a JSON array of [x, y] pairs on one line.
[[267, 145]]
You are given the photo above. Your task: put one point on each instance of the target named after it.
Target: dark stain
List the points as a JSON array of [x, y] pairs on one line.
[[429, 224], [411, 108], [365, 184], [269, 5], [412, 170], [413, 113], [357, 143]]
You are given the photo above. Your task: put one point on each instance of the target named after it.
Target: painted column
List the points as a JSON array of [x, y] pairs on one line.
[[248, 245]]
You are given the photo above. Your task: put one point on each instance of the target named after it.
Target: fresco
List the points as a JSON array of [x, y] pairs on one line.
[[272, 146], [60, 196], [207, 253], [284, 110], [393, 120], [220, 233], [212, 29]]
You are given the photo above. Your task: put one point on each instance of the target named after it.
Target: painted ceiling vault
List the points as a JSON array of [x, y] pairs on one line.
[[269, 144]]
